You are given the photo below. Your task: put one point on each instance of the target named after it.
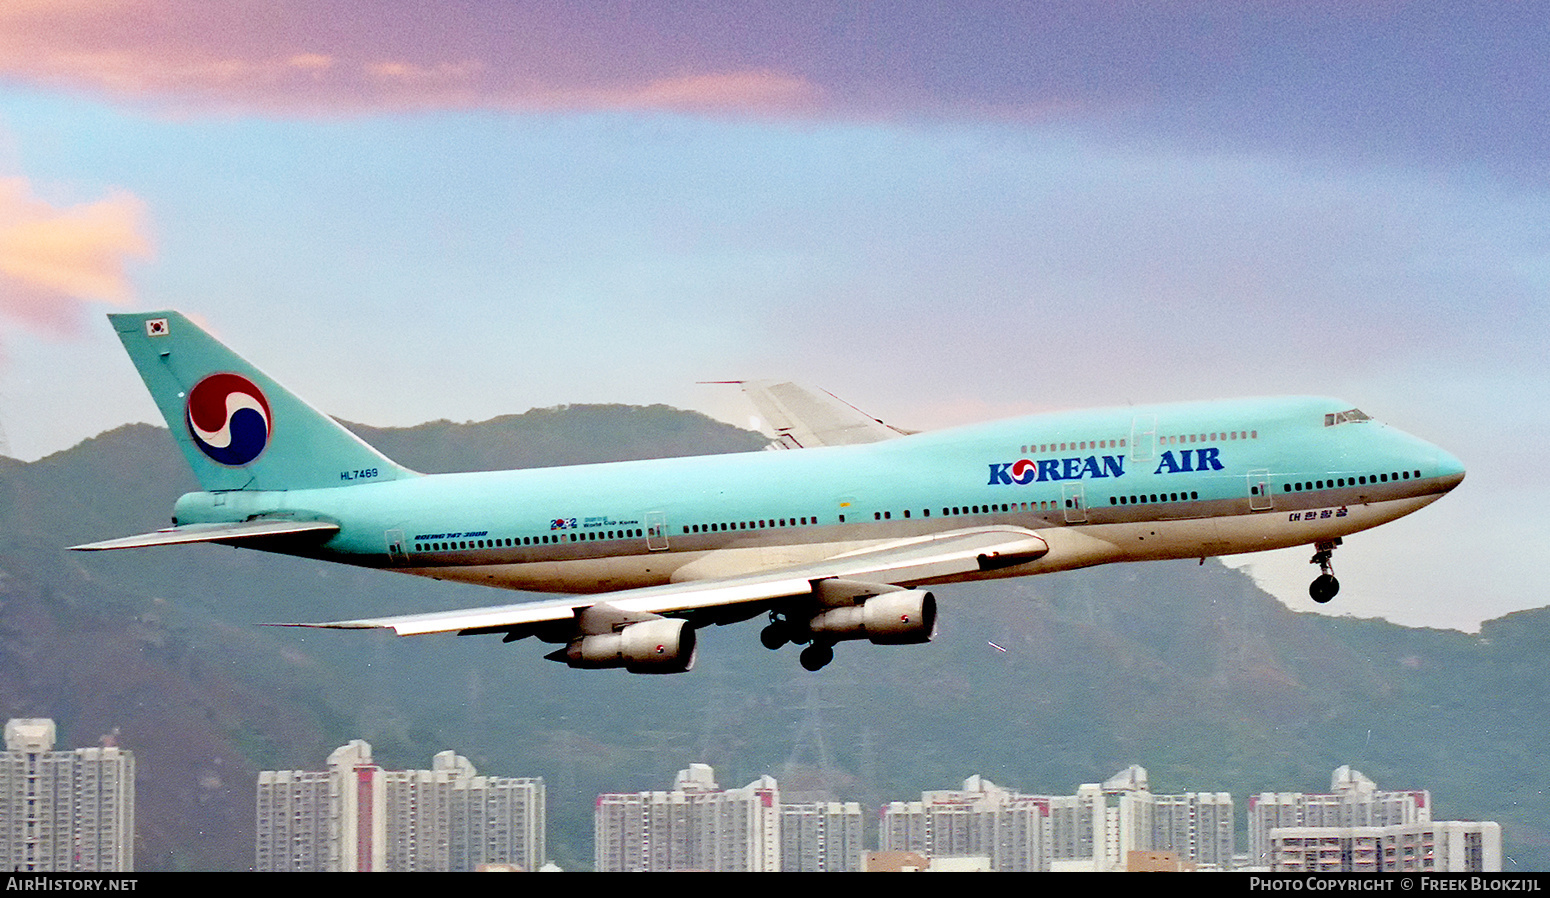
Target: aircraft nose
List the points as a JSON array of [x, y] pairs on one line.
[[1449, 470]]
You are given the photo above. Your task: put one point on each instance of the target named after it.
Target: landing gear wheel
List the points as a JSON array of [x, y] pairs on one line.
[[817, 656], [773, 636], [1324, 586]]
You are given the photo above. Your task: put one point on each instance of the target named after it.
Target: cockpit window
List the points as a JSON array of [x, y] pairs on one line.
[[1354, 414]]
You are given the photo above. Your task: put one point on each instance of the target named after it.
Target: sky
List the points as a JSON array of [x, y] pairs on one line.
[[942, 213]]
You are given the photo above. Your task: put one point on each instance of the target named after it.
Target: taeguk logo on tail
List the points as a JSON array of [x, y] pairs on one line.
[[228, 418]]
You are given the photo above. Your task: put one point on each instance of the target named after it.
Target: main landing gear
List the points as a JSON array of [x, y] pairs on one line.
[[816, 656], [1324, 586]]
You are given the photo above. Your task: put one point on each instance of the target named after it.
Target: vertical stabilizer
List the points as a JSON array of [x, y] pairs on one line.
[[239, 429]]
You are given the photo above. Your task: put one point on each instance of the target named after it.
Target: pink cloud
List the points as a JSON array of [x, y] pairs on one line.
[[354, 57], [765, 92], [53, 259], [999, 59]]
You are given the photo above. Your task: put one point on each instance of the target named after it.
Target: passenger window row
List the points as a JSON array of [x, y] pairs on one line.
[[1214, 437], [1338, 482], [750, 525], [1150, 498], [546, 539], [957, 510], [1072, 446]]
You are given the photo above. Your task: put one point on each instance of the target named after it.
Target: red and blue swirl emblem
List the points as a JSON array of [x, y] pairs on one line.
[[228, 418]]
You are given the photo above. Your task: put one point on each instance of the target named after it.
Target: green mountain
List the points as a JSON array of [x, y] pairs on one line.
[[1187, 669]]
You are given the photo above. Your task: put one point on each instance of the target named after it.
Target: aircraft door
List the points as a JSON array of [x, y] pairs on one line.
[[397, 553], [1143, 437], [656, 531], [1074, 503], [1260, 496]]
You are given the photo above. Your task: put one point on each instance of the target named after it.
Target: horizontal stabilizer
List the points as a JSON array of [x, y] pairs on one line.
[[212, 533]]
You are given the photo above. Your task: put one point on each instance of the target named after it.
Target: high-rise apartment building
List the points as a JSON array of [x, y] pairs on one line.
[[1451, 846], [1353, 800], [355, 816], [1197, 827], [696, 826], [64, 811], [821, 837], [1103, 823], [981, 820]]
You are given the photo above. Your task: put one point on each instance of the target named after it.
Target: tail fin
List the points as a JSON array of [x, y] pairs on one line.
[[238, 428]]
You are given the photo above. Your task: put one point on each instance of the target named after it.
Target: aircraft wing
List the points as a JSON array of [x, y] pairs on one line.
[[212, 533], [941, 556], [803, 417]]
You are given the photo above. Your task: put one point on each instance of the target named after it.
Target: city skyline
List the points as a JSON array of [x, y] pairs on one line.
[[76, 810], [1102, 827]]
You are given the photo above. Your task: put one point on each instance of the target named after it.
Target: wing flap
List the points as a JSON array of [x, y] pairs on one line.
[[903, 561], [211, 533], [651, 599], [940, 555]]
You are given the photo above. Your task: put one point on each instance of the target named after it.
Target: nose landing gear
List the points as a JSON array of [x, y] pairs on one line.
[[1324, 586]]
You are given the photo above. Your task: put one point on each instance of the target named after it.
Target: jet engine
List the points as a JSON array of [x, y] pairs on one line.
[[900, 617], [658, 646]]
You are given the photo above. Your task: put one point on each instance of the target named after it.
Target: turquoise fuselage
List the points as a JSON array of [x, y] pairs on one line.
[[1147, 482]]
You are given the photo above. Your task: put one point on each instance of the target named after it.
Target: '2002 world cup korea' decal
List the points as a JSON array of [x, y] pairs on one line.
[[228, 418]]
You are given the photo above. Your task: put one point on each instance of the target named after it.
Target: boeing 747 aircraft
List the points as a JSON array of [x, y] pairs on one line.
[[832, 541]]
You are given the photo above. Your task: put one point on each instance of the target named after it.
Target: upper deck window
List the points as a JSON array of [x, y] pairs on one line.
[[1354, 414]]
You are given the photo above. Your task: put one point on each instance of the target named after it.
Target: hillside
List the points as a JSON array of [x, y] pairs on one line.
[[1189, 670]]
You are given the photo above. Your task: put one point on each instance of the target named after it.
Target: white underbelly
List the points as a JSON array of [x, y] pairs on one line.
[[1073, 546]]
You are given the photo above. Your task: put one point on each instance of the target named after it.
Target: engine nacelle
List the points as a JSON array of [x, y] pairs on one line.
[[659, 646], [901, 617]]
